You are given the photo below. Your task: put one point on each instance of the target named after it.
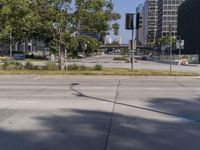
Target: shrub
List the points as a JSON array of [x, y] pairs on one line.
[[98, 67], [12, 65], [73, 67], [82, 67], [18, 66], [51, 66], [29, 65]]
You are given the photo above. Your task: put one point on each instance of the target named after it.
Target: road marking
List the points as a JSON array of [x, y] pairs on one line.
[[27, 102], [151, 88]]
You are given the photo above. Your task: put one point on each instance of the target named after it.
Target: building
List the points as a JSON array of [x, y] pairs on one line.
[[188, 26], [118, 40], [107, 39], [150, 19], [140, 38], [28, 46], [168, 17]]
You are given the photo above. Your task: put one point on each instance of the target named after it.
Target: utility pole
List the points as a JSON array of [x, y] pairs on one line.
[[171, 46], [130, 26], [132, 43]]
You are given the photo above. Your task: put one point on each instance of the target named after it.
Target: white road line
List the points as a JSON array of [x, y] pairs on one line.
[[27, 102]]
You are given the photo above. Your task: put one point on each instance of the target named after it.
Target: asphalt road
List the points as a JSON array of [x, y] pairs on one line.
[[99, 113]]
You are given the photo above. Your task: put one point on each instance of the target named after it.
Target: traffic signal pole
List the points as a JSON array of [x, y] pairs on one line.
[[132, 51], [130, 26]]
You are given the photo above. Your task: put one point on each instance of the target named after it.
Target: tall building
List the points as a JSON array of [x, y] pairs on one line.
[[140, 37], [167, 17], [188, 26], [150, 19]]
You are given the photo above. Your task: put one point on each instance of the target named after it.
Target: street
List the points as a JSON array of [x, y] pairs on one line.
[[99, 113]]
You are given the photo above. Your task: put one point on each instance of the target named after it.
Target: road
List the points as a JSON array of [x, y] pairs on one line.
[[107, 61], [99, 113]]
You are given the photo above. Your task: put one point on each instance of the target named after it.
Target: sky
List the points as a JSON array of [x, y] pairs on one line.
[[123, 7]]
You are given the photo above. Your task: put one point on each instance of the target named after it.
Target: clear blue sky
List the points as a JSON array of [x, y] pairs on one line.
[[123, 7]]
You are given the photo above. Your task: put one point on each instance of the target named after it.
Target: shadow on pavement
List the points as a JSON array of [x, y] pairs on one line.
[[86, 130], [78, 129]]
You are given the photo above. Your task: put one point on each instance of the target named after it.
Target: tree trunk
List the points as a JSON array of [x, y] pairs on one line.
[[61, 59], [16, 46], [11, 45]]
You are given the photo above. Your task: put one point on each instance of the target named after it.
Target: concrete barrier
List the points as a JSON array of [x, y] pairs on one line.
[[192, 59]]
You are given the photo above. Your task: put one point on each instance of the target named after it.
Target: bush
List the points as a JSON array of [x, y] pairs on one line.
[[98, 67], [29, 65], [51, 66], [77, 67], [73, 67], [12, 65], [82, 67]]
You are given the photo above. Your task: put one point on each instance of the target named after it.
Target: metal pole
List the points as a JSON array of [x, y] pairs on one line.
[[171, 46], [132, 45], [171, 55], [179, 55]]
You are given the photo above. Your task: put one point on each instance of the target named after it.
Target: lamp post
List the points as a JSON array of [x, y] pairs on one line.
[[171, 46]]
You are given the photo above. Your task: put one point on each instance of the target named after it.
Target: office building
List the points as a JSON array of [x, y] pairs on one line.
[[150, 19], [140, 37], [167, 17], [188, 26]]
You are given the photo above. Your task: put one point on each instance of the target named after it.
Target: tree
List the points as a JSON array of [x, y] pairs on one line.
[[166, 40], [115, 28], [13, 21], [96, 16], [55, 21]]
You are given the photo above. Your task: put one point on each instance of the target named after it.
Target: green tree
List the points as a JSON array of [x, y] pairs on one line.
[[96, 16], [55, 21], [13, 21], [115, 28], [166, 40]]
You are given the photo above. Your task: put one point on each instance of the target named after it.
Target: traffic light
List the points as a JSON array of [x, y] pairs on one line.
[[138, 21], [129, 21]]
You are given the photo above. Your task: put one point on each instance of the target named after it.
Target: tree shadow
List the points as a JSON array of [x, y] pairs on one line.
[[183, 109], [165, 124], [188, 109], [85, 130]]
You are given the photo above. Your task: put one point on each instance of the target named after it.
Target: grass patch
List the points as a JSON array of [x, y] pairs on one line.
[[104, 71]]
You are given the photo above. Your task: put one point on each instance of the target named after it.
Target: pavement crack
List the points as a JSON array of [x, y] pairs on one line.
[[112, 115]]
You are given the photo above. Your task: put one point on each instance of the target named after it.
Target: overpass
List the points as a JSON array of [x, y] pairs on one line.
[[114, 46]]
